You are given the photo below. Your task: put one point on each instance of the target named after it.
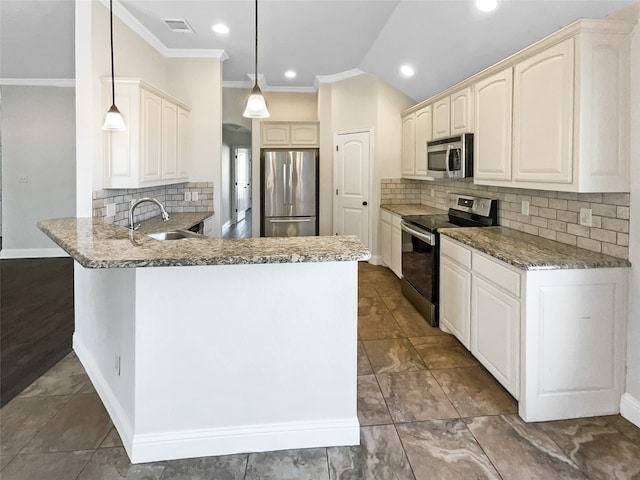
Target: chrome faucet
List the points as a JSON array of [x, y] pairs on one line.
[[132, 226]]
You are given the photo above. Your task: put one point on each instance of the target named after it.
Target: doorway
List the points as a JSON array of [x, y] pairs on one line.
[[352, 163]]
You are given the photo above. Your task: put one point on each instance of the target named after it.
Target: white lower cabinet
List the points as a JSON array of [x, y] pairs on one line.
[[455, 281], [555, 339], [495, 317], [391, 241]]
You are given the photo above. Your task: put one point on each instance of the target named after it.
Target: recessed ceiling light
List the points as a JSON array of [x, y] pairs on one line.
[[220, 28], [290, 74], [486, 5], [407, 70]]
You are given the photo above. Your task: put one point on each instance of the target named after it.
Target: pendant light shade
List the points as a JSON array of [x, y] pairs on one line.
[[113, 120], [256, 104]]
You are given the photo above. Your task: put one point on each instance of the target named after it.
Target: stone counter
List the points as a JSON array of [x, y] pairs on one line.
[[94, 243], [528, 252]]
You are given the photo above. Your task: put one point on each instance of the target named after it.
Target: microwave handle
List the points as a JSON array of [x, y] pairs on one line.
[[448, 161]]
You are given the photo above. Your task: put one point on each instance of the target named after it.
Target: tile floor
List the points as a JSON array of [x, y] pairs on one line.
[[427, 410]]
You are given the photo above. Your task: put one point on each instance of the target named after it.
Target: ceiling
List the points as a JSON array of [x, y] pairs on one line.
[[444, 41]]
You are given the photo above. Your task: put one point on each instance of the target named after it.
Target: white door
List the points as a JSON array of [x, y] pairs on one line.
[[351, 185], [242, 173]]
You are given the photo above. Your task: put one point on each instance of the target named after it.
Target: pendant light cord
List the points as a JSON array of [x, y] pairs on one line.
[[256, 78], [113, 83]]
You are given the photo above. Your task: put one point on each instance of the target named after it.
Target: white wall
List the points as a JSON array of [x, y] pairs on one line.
[[361, 102], [38, 142], [631, 400]]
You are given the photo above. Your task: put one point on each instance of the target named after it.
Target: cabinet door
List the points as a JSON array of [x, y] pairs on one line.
[[385, 242], [441, 119], [461, 112], [184, 144], [151, 137], [455, 299], [543, 116], [423, 135], [169, 139], [409, 144], [493, 110], [304, 134], [396, 246], [495, 320], [275, 134]]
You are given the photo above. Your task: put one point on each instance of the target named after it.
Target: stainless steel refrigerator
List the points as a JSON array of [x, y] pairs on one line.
[[289, 186]]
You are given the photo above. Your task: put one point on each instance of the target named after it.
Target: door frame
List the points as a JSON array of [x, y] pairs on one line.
[[233, 188], [335, 184]]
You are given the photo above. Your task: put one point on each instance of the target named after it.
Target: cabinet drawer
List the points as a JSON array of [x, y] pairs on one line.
[[456, 252], [498, 274], [385, 216]]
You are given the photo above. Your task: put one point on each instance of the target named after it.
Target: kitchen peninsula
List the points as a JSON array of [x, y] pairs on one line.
[[208, 347]]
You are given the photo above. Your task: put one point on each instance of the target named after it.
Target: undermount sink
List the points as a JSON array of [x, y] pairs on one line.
[[175, 235]]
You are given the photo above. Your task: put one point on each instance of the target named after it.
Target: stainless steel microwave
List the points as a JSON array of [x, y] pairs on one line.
[[450, 157]]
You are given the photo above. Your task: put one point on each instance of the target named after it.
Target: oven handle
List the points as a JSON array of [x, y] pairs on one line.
[[428, 238]]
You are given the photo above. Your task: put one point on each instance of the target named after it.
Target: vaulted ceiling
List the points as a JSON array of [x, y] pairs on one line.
[[443, 40]]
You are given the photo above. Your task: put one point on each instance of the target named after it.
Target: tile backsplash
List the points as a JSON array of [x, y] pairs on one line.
[[553, 215], [171, 196]]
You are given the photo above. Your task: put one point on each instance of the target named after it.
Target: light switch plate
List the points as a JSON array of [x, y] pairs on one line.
[[194, 196], [585, 217], [187, 196], [525, 207]]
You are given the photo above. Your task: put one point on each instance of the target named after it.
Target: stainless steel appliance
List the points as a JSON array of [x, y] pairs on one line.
[[450, 157], [289, 186], [421, 250]]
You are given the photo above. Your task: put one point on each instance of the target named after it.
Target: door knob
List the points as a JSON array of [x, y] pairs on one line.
[[364, 203]]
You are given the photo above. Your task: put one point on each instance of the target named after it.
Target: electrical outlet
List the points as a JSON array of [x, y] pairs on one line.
[[525, 207], [111, 210], [187, 196], [194, 196], [585, 217]]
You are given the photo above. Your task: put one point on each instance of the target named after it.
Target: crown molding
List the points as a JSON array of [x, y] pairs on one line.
[[39, 82], [237, 84], [143, 32], [265, 87], [354, 72]]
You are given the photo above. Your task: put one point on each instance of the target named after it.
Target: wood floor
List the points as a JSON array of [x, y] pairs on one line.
[[242, 229], [36, 319]]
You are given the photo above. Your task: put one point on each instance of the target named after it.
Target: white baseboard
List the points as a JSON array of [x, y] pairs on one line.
[[215, 441], [249, 438], [120, 420], [630, 409], [32, 252]]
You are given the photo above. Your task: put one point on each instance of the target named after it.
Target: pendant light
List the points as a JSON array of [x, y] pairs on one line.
[[113, 120], [256, 104]]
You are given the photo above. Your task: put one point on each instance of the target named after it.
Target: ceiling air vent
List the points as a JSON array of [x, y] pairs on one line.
[[178, 25]]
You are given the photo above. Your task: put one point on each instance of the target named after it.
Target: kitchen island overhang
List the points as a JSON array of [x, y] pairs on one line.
[[219, 358]]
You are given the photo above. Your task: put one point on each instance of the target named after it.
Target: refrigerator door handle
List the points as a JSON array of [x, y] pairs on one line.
[[291, 220]]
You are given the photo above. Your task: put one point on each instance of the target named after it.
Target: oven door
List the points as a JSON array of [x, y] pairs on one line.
[[419, 261]]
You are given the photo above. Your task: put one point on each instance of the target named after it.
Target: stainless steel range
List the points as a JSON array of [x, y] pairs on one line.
[[421, 250]]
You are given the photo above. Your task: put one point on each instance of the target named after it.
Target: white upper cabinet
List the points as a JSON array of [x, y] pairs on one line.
[[492, 140], [441, 119], [416, 132], [543, 116], [408, 157], [461, 112], [154, 149], [289, 134], [570, 120], [423, 135]]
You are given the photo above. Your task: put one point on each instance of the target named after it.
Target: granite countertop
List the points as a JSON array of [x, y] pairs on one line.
[[94, 243], [528, 252], [408, 209]]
